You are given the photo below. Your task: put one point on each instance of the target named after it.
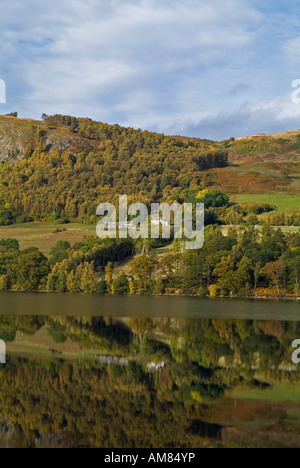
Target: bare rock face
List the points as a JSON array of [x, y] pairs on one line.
[[67, 141], [16, 134], [12, 141]]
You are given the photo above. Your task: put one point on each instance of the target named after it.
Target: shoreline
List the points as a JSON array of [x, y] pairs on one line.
[[266, 298]]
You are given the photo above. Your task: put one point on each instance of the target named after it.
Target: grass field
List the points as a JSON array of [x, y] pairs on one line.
[[125, 265], [278, 392], [284, 203], [43, 235]]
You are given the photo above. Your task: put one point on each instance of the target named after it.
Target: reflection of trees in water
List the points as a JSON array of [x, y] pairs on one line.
[[98, 404], [239, 342], [249, 343], [101, 406], [211, 431], [99, 332]]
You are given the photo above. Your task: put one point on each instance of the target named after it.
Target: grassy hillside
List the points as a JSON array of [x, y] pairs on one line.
[[284, 203], [262, 164], [45, 235]]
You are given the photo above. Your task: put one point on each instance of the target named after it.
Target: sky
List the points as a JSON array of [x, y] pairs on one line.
[[209, 69]]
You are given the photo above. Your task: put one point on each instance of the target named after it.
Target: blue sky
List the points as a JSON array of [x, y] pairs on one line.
[[206, 69]]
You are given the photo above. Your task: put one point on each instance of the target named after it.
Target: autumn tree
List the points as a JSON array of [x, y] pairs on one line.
[[121, 284], [59, 252], [142, 268], [274, 272], [31, 270]]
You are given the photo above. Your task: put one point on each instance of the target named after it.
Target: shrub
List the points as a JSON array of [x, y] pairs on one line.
[[121, 285]]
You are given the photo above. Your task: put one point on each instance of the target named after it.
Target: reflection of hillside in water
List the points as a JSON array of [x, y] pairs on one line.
[[86, 381]]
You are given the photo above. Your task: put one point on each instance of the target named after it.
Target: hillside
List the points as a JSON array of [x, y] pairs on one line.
[[63, 167], [57, 171], [263, 164]]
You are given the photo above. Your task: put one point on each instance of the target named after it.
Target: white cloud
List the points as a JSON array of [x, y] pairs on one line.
[[159, 65], [274, 116]]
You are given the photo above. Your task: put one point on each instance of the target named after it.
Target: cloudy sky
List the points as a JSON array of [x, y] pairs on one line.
[[211, 69]]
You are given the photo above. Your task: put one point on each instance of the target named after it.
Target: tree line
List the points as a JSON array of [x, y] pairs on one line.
[[244, 262]]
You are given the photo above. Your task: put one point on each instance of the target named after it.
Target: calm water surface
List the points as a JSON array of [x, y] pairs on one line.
[[150, 306], [154, 372]]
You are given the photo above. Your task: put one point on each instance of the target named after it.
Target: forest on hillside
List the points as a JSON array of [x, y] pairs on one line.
[[51, 181]]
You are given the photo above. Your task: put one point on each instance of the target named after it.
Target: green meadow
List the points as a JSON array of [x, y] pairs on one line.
[[283, 203]]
